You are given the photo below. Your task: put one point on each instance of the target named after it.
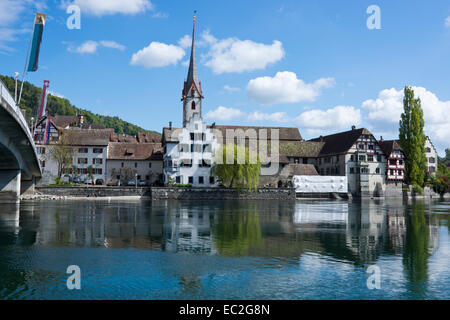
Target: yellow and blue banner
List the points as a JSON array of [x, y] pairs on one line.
[[39, 23]]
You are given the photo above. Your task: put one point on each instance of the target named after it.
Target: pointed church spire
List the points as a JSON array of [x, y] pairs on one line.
[[192, 77]]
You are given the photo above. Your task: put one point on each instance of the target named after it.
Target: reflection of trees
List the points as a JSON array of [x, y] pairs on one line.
[[415, 256], [235, 234]]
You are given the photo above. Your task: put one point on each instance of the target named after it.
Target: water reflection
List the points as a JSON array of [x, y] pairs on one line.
[[357, 233]]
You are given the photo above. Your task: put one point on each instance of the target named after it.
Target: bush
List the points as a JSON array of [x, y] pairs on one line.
[[441, 185], [417, 189], [183, 185]]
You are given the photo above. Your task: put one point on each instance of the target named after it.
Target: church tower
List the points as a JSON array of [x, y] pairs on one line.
[[192, 91]]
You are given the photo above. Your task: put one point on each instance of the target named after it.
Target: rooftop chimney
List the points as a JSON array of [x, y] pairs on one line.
[[381, 138], [353, 128], [170, 125], [321, 138]]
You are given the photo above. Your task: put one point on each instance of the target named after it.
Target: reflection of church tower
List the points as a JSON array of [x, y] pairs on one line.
[[192, 90]]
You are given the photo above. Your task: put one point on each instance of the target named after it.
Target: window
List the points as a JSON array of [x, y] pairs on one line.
[[193, 104], [352, 158], [370, 158], [211, 180], [379, 158], [328, 171], [428, 150], [192, 147], [97, 161], [320, 160], [191, 180], [121, 165], [362, 158], [352, 170], [83, 150], [192, 136], [370, 146], [361, 146], [178, 179], [139, 177], [82, 160], [135, 164], [377, 170], [149, 164], [147, 177], [200, 180], [98, 171], [97, 150], [400, 162], [43, 163], [392, 162], [118, 177]]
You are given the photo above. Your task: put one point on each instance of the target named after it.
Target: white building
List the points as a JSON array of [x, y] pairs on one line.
[[356, 154], [189, 151], [129, 161], [432, 157], [89, 146]]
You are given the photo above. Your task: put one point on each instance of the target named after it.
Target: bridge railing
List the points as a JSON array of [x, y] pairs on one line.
[[4, 93]]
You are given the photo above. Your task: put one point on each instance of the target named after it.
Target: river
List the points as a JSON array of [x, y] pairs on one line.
[[265, 249]]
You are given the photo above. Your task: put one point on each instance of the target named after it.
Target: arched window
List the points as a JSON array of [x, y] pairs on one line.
[[193, 105]]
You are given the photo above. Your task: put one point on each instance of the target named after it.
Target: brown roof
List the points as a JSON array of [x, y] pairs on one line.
[[302, 170], [64, 121], [147, 137], [134, 151], [303, 149], [389, 145], [285, 133], [340, 142], [122, 138], [88, 137]]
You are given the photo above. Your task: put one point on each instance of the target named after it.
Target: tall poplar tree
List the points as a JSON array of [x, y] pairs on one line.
[[412, 138]]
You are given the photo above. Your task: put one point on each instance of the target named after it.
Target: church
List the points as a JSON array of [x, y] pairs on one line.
[[189, 151]]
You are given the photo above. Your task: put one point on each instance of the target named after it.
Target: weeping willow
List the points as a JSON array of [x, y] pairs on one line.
[[240, 173]]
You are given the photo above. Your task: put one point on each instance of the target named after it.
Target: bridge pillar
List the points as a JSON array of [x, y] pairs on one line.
[[27, 186], [9, 186]]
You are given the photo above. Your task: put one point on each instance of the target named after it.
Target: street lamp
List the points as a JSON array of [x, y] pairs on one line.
[[16, 75], [32, 120]]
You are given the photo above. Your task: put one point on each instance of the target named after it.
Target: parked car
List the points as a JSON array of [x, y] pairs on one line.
[[131, 183], [76, 180], [99, 182], [88, 180], [142, 183]]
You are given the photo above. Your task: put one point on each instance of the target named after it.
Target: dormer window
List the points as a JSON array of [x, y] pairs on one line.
[[193, 105]]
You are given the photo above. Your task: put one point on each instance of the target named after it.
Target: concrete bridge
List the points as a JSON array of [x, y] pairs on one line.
[[19, 163]]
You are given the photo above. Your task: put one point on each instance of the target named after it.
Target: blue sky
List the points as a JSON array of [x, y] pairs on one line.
[[311, 64]]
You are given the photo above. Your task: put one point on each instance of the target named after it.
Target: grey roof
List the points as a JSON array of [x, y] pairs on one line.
[[192, 77], [285, 133], [302, 149]]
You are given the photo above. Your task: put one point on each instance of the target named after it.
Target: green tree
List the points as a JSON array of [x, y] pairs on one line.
[[63, 152], [412, 138], [242, 171]]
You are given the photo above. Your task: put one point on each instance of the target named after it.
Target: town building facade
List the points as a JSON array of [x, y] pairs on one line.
[[432, 157]]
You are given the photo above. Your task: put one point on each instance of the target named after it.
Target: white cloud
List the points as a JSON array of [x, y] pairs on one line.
[[224, 113], [185, 41], [112, 44], [55, 94], [110, 7], [157, 54], [10, 11], [337, 118], [260, 116], [234, 55], [447, 22], [385, 111], [160, 15], [231, 89], [285, 87], [91, 46]]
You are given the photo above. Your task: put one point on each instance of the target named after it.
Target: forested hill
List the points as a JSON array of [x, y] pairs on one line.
[[56, 105]]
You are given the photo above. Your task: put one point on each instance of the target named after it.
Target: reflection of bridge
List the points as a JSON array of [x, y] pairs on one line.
[[19, 164]]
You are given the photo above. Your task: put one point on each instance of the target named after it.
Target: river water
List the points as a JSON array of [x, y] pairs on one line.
[[226, 249]]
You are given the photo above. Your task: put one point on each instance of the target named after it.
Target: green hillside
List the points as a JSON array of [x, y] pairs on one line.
[[56, 105]]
